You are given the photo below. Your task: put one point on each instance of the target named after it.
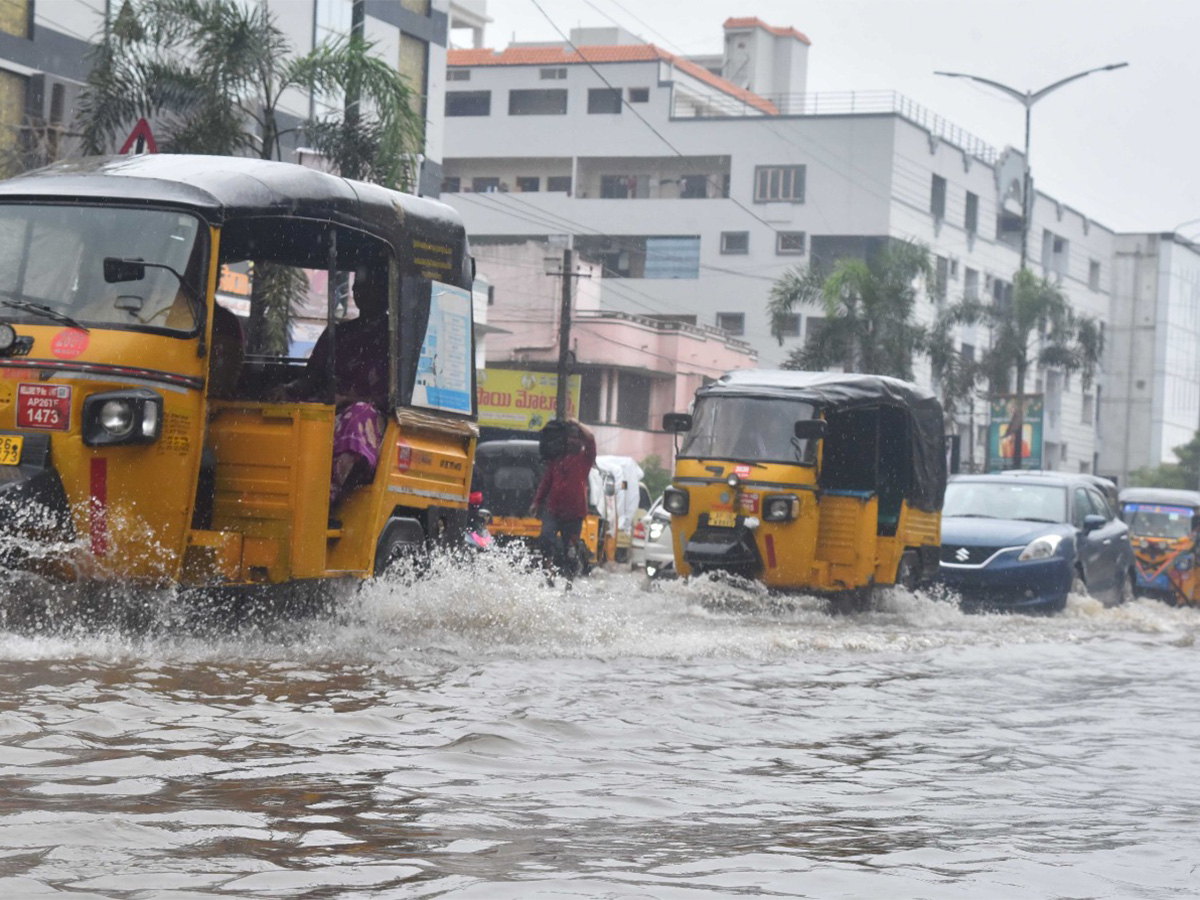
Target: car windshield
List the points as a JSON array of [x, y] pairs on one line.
[[1006, 500], [1156, 521], [52, 266], [748, 429]]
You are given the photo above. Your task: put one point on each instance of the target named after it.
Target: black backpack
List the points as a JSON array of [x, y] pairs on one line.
[[552, 440]]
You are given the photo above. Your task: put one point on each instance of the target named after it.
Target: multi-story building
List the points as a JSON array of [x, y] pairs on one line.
[[1151, 401], [695, 184], [45, 50]]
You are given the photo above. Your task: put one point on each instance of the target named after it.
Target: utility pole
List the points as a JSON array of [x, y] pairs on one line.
[[564, 338]]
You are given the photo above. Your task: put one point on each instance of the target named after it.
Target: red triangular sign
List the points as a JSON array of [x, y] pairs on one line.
[[140, 138]]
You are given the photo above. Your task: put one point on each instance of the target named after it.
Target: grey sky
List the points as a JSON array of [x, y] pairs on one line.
[[1122, 147]]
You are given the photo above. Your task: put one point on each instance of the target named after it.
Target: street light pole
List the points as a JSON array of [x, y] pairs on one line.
[[1027, 99]]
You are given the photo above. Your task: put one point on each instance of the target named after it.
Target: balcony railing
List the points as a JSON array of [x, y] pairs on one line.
[[838, 103]]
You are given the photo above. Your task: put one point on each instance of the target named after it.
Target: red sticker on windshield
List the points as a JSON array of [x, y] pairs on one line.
[[45, 406], [69, 343]]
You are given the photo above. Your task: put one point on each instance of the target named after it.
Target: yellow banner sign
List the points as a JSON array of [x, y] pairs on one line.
[[523, 401]]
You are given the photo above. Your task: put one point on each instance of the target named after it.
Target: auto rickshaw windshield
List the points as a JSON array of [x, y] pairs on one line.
[[53, 256], [750, 429], [1152, 520]]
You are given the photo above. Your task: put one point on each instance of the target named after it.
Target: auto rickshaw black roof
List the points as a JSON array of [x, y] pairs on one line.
[[221, 188], [1161, 496], [838, 392]]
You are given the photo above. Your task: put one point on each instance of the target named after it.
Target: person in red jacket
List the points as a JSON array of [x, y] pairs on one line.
[[561, 497]]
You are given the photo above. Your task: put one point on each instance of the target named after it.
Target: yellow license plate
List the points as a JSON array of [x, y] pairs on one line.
[[722, 519], [10, 449]]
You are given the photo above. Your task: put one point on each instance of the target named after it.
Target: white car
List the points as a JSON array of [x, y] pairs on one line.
[[652, 548]]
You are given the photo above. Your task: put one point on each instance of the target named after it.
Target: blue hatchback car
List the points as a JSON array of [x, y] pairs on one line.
[[1023, 541]]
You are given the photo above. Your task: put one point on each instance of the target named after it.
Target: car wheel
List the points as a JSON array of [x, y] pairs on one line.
[[908, 572], [1127, 588]]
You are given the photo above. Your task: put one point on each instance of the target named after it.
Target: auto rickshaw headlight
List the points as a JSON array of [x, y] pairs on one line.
[[733, 481], [675, 501], [780, 507], [8, 336], [116, 417], [122, 417]]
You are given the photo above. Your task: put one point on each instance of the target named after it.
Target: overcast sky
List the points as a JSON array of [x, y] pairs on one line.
[[1122, 147]]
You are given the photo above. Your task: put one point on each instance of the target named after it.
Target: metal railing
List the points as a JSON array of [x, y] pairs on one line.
[[835, 103]]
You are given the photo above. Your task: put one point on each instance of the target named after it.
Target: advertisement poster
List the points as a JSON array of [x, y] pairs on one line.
[[524, 401], [447, 360], [1002, 431]]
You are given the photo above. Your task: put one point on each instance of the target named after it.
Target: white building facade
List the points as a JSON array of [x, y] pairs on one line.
[[1151, 403], [695, 194]]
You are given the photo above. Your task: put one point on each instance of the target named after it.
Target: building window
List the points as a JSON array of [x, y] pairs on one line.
[[491, 295], [633, 400], [789, 325], [1088, 413], [734, 323], [451, 184], [971, 283], [789, 243], [420, 7], [1093, 275], [16, 18], [735, 242], [530, 184], [485, 185], [639, 95], [783, 184], [13, 88], [604, 100], [968, 352], [941, 278], [636, 256], [624, 187], [693, 187], [937, 197], [558, 74], [814, 325], [468, 103], [458, 74], [558, 184], [413, 66], [537, 103], [971, 219]]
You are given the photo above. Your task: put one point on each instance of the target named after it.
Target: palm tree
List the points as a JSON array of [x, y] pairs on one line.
[[1037, 325], [869, 306]]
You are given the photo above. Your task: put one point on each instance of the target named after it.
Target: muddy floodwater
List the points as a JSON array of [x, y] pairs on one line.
[[481, 735]]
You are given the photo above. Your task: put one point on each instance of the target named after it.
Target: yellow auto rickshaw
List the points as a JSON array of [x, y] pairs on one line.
[[1164, 528], [508, 472], [809, 480], [139, 446]]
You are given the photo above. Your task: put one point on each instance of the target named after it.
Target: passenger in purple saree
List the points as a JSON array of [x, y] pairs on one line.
[[361, 384]]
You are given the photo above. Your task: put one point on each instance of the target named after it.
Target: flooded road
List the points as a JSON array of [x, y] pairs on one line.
[[484, 736]]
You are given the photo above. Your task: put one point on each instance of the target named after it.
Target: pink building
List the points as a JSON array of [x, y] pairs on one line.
[[633, 368]]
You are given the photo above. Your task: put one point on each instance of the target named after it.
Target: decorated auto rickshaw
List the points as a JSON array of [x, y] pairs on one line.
[[508, 473], [1164, 528], [809, 481], [141, 439]]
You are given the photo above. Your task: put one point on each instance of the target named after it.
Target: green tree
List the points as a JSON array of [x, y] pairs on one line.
[[1183, 474], [1038, 326], [656, 476], [869, 306]]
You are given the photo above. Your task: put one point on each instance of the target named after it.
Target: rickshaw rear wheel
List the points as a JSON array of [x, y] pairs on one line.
[[401, 543]]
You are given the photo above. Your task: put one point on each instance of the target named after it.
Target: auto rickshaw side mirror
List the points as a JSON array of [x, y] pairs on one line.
[[117, 270], [677, 423], [810, 429]]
